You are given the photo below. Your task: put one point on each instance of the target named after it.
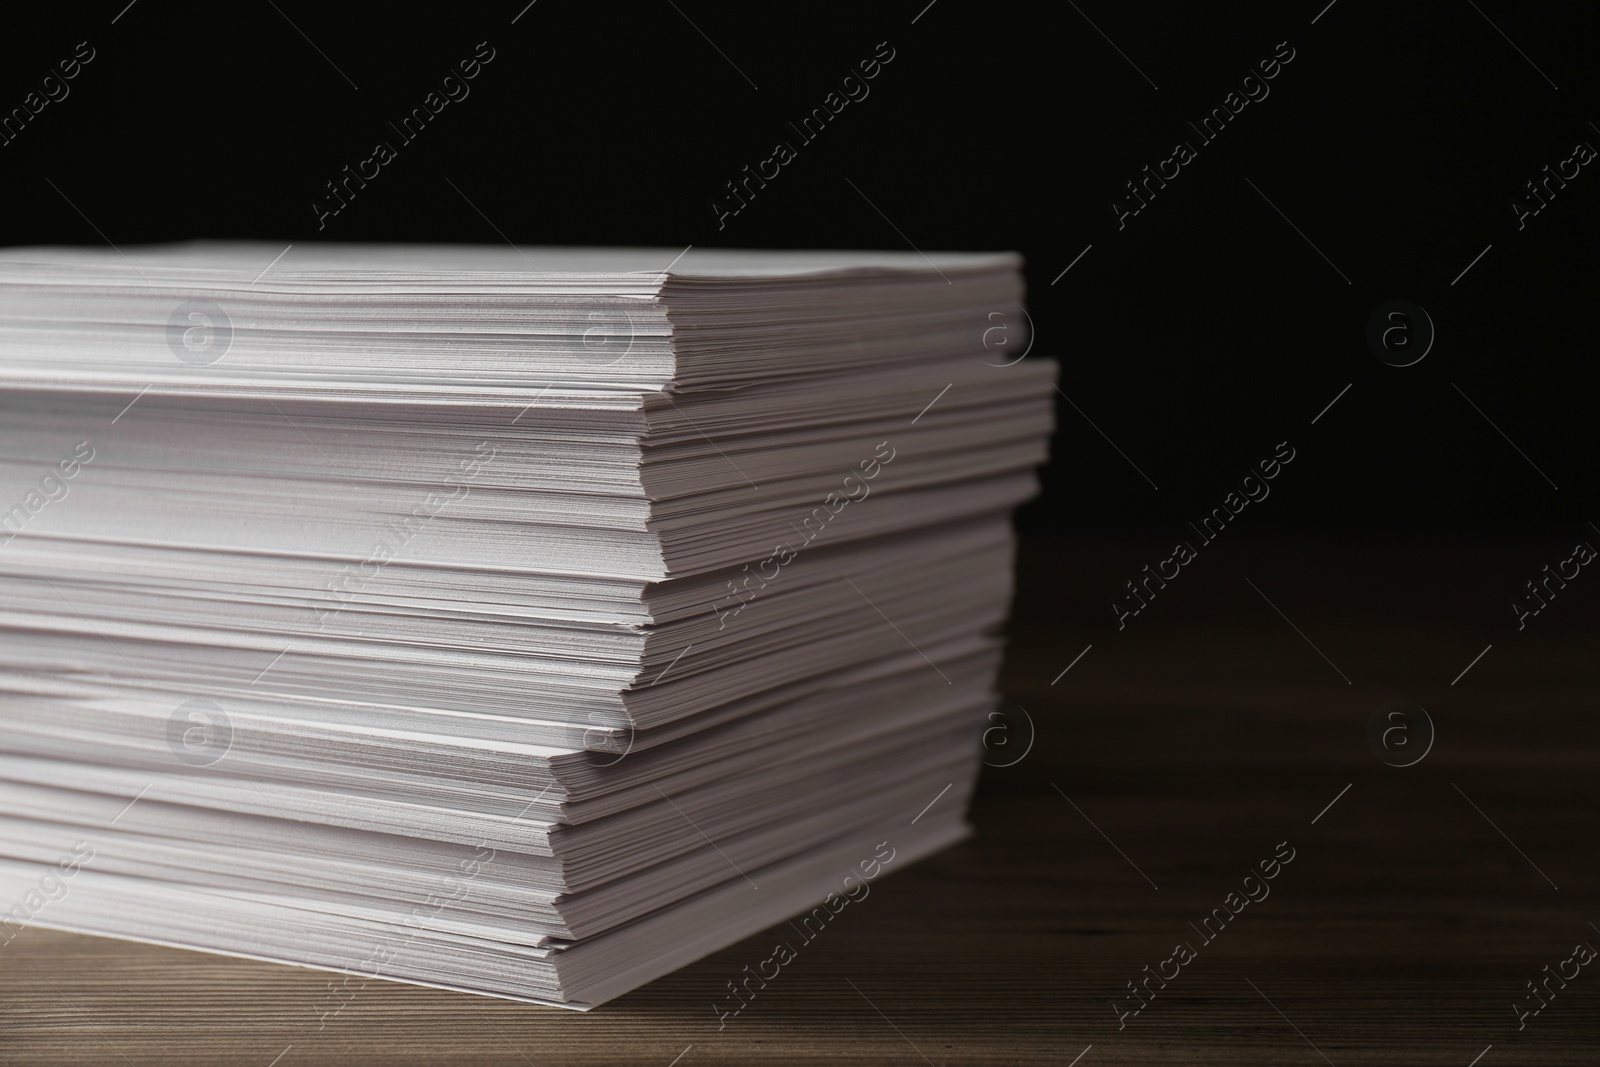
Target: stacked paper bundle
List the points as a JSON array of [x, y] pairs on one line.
[[529, 622]]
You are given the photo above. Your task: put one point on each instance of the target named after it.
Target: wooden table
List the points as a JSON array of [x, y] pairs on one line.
[[1176, 753]]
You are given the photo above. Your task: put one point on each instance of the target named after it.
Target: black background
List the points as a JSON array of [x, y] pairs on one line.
[[1195, 338]]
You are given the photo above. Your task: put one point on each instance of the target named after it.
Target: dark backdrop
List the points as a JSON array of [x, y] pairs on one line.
[[1194, 335]]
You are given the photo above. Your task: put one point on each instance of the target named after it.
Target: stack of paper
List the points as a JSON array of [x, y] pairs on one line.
[[523, 621]]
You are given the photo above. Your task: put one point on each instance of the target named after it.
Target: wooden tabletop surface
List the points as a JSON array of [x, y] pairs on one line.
[[1224, 726]]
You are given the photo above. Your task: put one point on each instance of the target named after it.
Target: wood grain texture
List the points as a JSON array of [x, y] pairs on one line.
[[1177, 753]]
